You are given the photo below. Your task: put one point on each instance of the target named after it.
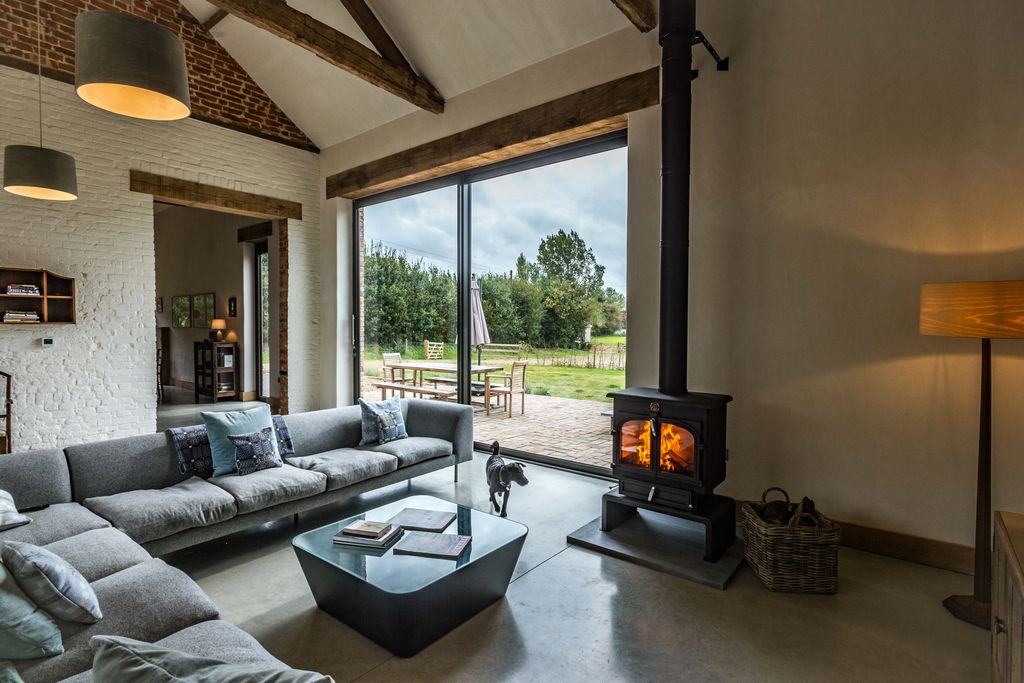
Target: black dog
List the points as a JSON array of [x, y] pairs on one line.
[[501, 476]]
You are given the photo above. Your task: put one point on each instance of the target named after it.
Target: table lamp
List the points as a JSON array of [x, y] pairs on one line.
[[217, 327], [985, 311]]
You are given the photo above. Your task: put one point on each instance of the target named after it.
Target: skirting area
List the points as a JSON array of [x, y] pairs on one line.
[[575, 615]]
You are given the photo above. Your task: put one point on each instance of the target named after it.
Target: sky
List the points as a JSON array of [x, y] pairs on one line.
[[513, 213]]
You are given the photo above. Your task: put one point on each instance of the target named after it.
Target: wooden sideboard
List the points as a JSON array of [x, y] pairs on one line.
[[1008, 598]]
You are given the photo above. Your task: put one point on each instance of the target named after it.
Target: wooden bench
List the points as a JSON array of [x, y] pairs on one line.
[[432, 392]]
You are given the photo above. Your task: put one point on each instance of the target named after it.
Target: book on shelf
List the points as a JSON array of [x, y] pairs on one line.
[[415, 519], [428, 544], [384, 541], [23, 290], [362, 527]]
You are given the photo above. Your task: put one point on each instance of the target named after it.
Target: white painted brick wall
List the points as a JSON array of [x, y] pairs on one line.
[[100, 379]]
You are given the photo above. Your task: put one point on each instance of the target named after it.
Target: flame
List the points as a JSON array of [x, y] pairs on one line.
[[635, 444], [676, 453]]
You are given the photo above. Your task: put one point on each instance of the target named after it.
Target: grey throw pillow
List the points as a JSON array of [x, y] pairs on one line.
[[382, 421], [124, 660], [26, 632], [9, 516], [255, 451], [51, 582]]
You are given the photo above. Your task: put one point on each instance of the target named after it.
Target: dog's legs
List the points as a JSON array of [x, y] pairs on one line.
[[494, 502], [504, 503]]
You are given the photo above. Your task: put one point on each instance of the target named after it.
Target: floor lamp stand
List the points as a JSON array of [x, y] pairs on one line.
[[977, 608]]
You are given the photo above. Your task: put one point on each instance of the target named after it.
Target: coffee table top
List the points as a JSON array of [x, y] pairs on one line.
[[408, 573]]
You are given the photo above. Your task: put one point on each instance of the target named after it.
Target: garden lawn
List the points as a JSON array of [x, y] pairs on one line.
[[609, 339], [582, 383]]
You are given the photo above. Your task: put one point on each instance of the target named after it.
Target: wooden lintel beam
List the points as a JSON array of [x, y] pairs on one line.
[[335, 48], [579, 116], [217, 17], [639, 12], [189, 193], [375, 31]]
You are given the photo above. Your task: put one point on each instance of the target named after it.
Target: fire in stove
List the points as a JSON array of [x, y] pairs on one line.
[[675, 446]]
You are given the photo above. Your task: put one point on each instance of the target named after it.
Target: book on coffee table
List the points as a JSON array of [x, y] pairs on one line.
[[415, 519], [362, 527], [384, 541], [427, 544]]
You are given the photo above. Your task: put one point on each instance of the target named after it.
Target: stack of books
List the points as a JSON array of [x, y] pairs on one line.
[[23, 290], [21, 317], [368, 535]]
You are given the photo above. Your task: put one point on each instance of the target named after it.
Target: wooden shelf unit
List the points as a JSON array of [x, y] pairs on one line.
[[55, 304], [215, 376]]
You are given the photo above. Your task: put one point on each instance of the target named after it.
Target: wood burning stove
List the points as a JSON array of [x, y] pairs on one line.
[[669, 446]]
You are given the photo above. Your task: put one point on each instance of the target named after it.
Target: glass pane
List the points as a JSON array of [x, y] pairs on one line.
[[549, 253], [264, 322], [676, 454], [409, 297], [635, 443]]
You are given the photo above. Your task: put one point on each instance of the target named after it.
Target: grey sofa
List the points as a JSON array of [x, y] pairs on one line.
[[109, 507]]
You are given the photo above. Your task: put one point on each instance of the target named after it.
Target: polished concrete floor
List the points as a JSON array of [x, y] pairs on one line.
[[574, 615]]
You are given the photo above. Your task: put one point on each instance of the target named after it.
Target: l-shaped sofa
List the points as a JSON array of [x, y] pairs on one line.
[[110, 507]]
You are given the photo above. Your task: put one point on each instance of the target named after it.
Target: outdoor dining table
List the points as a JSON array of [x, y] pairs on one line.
[[418, 367]]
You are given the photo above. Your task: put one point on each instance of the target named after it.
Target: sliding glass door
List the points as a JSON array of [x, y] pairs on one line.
[[519, 270]]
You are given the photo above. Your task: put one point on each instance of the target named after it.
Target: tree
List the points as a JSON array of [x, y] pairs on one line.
[[566, 257]]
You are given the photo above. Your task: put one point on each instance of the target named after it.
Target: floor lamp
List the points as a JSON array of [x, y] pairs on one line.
[[985, 311]]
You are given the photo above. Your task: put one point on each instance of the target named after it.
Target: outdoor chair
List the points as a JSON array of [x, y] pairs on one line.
[[511, 384], [392, 374], [433, 350]]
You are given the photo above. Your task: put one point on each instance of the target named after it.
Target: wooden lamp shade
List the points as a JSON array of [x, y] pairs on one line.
[[978, 310]]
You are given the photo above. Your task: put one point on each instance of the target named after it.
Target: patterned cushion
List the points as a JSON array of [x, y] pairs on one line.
[[26, 632], [52, 583], [382, 421], [9, 517], [284, 437], [255, 452], [192, 446], [236, 422]]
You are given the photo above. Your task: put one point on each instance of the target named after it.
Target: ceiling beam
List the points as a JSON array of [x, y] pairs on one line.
[[376, 32], [335, 48], [188, 193], [217, 17], [639, 12], [582, 115]]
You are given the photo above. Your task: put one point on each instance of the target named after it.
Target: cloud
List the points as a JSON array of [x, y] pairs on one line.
[[511, 214]]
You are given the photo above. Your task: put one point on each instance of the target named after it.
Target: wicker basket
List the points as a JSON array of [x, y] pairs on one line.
[[792, 558]]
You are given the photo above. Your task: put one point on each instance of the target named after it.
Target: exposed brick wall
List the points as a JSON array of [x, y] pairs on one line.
[[221, 91], [99, 380]]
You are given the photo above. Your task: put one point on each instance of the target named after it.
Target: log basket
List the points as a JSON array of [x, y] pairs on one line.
[[793, 557]]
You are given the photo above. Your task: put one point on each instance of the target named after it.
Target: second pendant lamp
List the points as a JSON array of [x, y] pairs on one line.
[[130, 66]]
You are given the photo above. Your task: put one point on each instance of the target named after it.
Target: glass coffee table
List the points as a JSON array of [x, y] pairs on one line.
[[406, 602]]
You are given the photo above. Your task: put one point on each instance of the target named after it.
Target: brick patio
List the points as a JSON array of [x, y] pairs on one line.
[[565, 428]]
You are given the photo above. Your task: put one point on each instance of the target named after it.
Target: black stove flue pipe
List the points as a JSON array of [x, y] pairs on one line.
[[677, 27]]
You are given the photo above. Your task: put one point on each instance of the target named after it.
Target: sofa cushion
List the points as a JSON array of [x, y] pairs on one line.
[[413, 449], [255, 452], [219, 426], [381, 421], [100, 552], [346, 466], [54, 523], [149, 601], [104, 468], [155, 513], [25, 630], [36, 478], [267, 488], [324, 430], [54, 585], [126, 659]]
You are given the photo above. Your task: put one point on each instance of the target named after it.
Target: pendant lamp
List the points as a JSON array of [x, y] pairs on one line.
[[130, 66], [39, 172]]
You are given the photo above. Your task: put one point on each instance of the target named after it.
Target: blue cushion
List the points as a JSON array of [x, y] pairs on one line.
[[221, 425], [26, 632], [54, 585], [382, 421], [255, 452]]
